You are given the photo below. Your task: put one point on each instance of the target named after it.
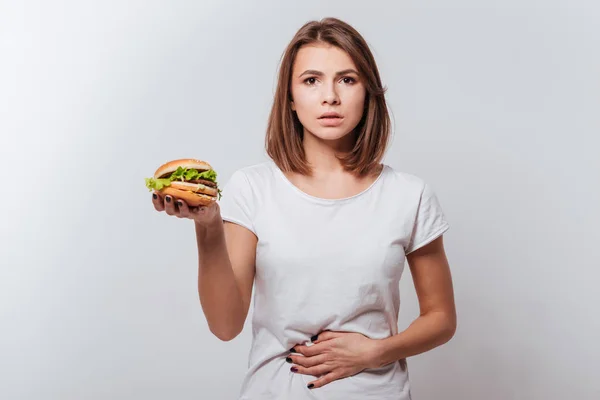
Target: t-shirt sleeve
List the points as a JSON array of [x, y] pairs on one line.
[[237, 201], [430, 222]]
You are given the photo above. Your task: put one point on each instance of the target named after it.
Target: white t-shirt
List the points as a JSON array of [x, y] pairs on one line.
[[326, 264]]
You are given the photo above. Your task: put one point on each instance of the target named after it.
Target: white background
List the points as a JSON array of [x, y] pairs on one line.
[[496, 104]]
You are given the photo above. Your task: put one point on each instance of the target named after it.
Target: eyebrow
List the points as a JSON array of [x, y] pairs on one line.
[[319, 73]]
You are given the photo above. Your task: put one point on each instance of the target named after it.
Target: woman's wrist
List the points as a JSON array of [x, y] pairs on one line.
[[382, 354], [209, 234], [374, 355]]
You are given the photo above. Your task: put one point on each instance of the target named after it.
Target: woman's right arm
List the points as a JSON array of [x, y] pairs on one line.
[[226, 265]]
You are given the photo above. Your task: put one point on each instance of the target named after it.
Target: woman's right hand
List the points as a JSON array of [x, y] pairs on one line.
[[203, 215]]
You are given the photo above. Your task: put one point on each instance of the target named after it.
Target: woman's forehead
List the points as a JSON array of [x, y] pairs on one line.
[[327, 59]]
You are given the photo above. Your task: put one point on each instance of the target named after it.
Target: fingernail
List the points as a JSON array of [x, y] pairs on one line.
[[312, 385], [168, 199], [179, 203], [288, 360], [154, 196], [294, 369], [312, 339], [293, 350]]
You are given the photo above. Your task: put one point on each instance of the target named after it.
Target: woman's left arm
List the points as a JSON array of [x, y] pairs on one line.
[[436, 323]]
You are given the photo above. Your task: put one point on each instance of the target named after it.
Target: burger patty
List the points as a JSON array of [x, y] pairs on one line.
[[204, 182]]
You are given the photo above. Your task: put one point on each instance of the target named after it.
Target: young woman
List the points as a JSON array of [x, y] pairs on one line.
[[322, 230]]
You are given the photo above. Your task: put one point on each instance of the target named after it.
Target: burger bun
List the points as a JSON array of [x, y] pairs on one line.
[[192, 199]]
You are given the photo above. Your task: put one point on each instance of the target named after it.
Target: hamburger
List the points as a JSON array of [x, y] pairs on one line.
[[193, 181]]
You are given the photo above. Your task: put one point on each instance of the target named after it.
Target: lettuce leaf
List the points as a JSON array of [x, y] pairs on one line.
[[182, 174], [156, 184], [189, 174]]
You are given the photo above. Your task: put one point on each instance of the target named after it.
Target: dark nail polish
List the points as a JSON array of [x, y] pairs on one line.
[[154, 196], [179, 203], [293, 350], [168, 199], [294, 369], [312, 339], [312, 385], [288, 360]]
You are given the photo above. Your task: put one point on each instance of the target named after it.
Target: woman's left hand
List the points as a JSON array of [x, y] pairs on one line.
[[335, 355]]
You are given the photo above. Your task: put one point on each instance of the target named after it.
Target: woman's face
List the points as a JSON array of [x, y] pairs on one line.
[[325, 79]]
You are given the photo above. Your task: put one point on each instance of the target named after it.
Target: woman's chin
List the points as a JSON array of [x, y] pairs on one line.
[[330, 133]]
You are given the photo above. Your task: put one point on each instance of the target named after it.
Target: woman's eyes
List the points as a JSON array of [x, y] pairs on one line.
[[347, 79]]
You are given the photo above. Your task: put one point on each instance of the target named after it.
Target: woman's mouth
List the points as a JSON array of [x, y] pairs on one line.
[[330, 121]]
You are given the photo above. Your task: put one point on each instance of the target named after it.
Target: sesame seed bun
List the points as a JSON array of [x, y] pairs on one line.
[[171, 166]]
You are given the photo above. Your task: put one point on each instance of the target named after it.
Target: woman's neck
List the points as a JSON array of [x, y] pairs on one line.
[[321, 154]]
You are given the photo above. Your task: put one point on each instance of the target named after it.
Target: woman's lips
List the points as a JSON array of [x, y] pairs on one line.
[[331, 121]]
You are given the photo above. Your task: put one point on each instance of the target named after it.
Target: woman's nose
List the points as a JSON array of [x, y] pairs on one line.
[[330, 95]]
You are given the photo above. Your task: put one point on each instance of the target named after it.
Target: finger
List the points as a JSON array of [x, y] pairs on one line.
[[184, 210], [157, 201], [315, 371], [169, 205], [306, 362], [323, 380], [207, 210], [200, 210], [315, 349], [326, 335]]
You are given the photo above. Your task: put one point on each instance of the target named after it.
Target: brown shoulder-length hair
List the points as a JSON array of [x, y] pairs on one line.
[[284, 134]]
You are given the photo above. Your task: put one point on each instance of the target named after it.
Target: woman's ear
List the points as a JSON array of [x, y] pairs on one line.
[[293, 106]]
